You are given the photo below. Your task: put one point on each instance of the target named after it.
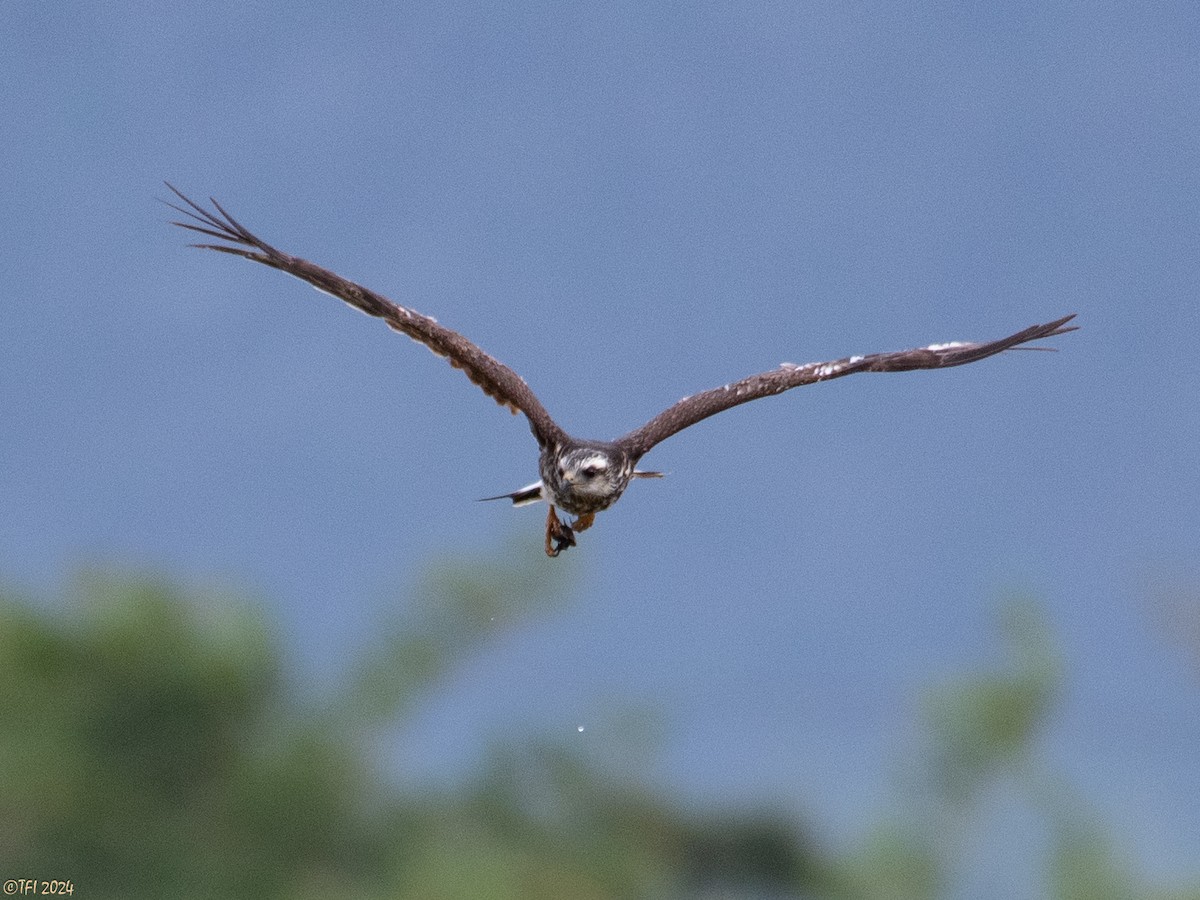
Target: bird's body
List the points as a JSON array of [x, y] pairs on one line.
[[584, 477], [581, 477]]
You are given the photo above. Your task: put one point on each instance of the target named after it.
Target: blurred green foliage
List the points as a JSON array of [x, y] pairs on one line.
[[151, 746]]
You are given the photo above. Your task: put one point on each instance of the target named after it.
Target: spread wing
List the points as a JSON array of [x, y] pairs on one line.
[[496, 380], [691, 410]]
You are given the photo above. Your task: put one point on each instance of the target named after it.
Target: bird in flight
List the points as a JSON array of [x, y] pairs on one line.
[[580, 477]]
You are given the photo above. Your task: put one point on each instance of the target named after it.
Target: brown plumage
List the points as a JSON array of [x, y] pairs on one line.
[[581, 477]]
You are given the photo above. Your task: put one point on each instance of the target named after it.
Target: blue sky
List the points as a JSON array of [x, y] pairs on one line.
[[628, 203]]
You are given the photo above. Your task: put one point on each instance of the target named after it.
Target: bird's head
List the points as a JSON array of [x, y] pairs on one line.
[[590, 470]]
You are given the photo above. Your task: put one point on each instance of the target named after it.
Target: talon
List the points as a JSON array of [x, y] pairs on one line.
[[558, 533], [563, 540]]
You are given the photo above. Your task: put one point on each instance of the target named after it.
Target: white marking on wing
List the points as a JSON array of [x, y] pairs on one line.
[[536, 498], [948, 346]]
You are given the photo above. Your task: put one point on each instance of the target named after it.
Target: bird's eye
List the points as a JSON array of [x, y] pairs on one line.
[[589, 472]]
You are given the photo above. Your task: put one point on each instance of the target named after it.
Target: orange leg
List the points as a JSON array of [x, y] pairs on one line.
[[584, 522], [559, 535]]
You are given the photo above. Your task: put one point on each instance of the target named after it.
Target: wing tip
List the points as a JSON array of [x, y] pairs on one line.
[[1060, 326]]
